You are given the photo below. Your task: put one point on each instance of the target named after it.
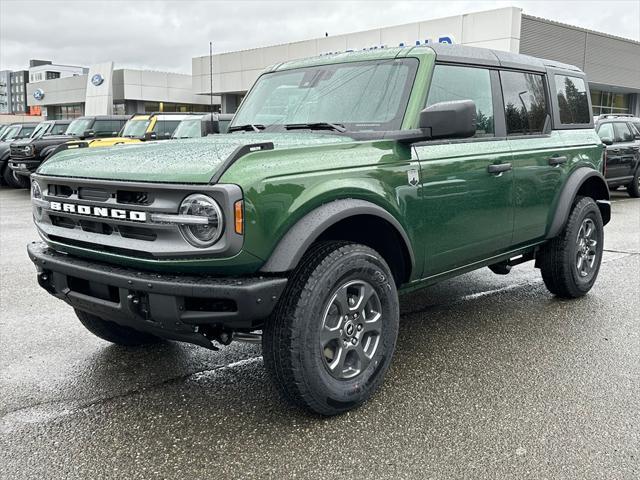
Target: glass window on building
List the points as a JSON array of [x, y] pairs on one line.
[[609, 102], [53, 75]]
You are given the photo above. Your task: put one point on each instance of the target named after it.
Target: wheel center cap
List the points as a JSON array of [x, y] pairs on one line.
[[349, 328]]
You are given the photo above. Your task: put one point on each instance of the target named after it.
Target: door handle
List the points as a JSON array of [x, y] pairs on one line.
[[499, 168], [554, 161]]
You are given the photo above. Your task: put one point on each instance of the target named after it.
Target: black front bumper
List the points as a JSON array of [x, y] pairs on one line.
[[24, 167], [178, 307]]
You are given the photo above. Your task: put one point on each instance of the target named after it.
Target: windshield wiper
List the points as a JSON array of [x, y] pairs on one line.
[[249, 127], [336, 127]]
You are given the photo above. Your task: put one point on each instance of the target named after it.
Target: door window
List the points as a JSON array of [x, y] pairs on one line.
[[622, 132], [572, 100], [525, 103], [451, 83], [164, 128], [606, 131], [59, 129]]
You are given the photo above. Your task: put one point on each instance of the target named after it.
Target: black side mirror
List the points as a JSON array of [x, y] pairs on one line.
[[150, 136], [607, 140], [89, 134], [455, 119]]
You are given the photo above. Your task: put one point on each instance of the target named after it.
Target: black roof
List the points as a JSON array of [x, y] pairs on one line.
[[496, 58], [107, 117]]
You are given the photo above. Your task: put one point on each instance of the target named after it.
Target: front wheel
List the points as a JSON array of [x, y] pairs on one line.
[[14, 180], [330, 341], [570, 262]]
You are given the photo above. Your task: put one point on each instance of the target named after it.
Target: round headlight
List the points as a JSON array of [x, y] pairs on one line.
[[208, 232], [36, 194], [36, 191]]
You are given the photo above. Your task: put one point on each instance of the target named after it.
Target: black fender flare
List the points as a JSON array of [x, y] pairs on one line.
[[44, 153], [308, 229], [571, 187]]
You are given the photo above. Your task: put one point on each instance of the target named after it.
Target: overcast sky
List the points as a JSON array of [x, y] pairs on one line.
[[165, 35]]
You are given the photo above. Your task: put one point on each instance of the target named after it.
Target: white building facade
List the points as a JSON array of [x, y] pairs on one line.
[[612, 64]]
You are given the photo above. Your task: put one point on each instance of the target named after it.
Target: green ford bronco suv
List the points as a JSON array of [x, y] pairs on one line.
[[344, 179]]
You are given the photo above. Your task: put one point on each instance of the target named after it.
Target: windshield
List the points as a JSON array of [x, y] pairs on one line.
[[41, 129], [10, 133], [79, 126], [135, 128], [188, 129], [359, 96]]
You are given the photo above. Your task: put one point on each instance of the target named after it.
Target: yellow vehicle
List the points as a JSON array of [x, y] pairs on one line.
[[140, 127]]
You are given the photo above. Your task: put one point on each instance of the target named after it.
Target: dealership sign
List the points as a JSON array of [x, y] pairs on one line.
[[38, 94], [97, 79], [447, 39]]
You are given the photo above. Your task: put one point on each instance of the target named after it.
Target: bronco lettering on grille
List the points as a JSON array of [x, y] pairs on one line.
[[116, 213]]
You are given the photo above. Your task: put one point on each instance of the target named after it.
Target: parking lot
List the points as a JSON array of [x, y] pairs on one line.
[[493, 378]]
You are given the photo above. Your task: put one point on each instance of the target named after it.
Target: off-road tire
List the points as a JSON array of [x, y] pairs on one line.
[[633, 189], [114, 333], [558, 258], [291, 344], [13, 179]]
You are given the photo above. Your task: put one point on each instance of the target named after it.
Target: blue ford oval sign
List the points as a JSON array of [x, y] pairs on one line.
[[97, 79], [38, 94]]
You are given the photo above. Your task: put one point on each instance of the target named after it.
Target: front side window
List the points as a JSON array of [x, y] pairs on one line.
[[361, 96], [164, 128], [191, 128], [606, 131], [451, 83], [572, 100], [525, 103], [41, 129], [622, 132], [59, 129], [79, 126]]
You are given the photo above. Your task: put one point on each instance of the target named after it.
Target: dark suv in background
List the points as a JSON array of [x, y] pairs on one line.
[[621, 135], [11, 132]]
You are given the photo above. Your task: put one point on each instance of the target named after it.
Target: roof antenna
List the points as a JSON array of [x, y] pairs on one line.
[[211, 78]]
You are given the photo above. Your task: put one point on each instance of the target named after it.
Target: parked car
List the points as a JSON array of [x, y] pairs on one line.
[[384, 170], [10, 133], [622, 139], [202, 125], [143, 127], [27, 156]]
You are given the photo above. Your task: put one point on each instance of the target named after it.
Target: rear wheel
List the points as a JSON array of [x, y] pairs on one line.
[[114, 333], [633, 189], [330, 341], [570, 262]]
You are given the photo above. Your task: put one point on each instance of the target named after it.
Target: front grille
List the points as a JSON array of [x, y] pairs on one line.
[[60, 190], [17, 152], [132, 197], [117, 217], [93, 194]]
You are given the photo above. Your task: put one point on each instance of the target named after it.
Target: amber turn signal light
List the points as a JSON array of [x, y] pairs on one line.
[[239, 217]]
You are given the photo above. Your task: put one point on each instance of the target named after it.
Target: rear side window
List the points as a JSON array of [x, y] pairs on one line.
[[451, 83], [622, 132], [572, 100], [525, 103]]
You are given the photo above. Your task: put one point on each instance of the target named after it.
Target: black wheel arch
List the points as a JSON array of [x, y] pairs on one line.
[[346, 219], [586, 182]]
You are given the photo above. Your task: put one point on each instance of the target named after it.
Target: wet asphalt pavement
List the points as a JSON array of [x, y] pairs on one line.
[[493, 378]]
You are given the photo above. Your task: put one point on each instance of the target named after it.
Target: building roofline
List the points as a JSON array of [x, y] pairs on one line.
[[580, 29]]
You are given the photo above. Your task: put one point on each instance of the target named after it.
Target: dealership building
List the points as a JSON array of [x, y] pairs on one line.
[[612, 64], [103, 90]]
